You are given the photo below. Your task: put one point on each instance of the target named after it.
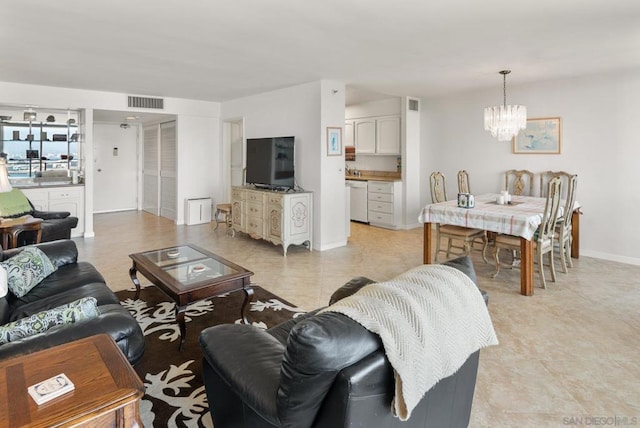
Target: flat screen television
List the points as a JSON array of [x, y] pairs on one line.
[[270, 162]]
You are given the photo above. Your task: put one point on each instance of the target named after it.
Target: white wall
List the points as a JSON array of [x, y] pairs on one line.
[[201, 116], [600, 129], [199, 166], [299, 111], [332, 195]]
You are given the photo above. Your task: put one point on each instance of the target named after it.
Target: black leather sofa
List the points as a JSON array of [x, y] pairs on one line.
[[71, 281], [320, 371]]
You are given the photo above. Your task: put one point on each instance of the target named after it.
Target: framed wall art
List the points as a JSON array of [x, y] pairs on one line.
[[541, 136], [334, 141]]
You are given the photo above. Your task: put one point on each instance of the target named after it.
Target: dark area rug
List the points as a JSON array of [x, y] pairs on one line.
[[174, 391]]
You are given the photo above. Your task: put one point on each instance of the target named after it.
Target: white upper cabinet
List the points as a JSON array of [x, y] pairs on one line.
[[388, 135], [374, 135], [365, 135], [349, 133]]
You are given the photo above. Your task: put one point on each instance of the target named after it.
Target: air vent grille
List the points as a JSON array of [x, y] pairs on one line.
[[146, 102], [414, 105]]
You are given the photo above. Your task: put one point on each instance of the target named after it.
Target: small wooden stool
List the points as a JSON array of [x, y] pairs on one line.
[[223, 210]]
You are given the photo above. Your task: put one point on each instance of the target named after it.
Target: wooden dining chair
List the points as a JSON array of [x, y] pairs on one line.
[[544, 237], [545, 176], [564, 227], [453, 234], [519, 182], [463, 182]]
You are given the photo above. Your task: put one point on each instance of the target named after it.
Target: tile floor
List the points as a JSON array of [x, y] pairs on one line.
[[567, 356]]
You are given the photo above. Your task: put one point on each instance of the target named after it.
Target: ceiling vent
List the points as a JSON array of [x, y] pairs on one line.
[[145, 102], [414, 105]]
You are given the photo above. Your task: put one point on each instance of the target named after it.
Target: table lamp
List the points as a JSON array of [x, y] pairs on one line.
[[5, 185]]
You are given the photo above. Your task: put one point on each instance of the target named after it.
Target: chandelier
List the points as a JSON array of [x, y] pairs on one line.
[[505, 121]]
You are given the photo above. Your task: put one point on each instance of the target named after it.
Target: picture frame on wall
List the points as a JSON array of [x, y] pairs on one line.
[[334, 141], [541, 136]]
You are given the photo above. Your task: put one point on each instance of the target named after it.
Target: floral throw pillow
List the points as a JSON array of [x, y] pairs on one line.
[[27, 269], [81, 309]]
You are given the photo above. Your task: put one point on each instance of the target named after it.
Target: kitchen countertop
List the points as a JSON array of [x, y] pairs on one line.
[[41, 185], [372, 176]]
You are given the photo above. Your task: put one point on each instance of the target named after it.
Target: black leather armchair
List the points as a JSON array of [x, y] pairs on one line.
[[55, 225], [320, 371]]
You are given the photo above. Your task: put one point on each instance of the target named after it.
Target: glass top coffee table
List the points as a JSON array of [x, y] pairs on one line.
[[187, 274]]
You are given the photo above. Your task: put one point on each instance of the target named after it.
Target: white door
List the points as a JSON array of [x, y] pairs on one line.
[[151, 170], [168, 162], [237, 153], [115, 168]]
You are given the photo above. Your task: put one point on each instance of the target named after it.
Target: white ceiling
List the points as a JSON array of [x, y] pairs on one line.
[[219, 50]]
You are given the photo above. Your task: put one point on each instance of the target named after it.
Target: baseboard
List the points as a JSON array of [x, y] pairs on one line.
[[611, 257], [331, 246]]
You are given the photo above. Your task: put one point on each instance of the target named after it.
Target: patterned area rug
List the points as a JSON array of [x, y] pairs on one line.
[[174, 390]]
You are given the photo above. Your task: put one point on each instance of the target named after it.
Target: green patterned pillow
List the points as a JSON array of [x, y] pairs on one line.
[[27, 269], [14, 204], [81, 309]]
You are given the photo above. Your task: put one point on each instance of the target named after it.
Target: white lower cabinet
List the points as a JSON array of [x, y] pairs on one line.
[[69, 198], [280, 218], [383, 205]]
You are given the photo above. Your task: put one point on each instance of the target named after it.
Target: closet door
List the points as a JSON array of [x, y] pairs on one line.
[[151, 170], [168, 162]]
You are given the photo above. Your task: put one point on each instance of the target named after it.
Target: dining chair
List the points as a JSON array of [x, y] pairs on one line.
[[519, 182], [543, 238], [545, 176], [563, 225], [450, 232], [463, 182]]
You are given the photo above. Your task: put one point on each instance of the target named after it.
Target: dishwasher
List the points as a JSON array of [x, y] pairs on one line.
[[358, 200]]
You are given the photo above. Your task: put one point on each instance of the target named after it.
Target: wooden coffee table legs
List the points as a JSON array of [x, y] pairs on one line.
[[248, 297], [134, 279], [182, 309]]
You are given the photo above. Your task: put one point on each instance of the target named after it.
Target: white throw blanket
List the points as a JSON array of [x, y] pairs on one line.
[[430, 319]]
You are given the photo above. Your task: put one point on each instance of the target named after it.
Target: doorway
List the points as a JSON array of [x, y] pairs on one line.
[[115, 168]]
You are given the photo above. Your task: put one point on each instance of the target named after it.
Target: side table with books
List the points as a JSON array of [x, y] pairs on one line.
[[99, 386]]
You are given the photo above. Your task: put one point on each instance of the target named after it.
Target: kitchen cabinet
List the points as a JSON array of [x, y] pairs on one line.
[[388, 135], [384, 204], [280, 218], [349, 133], [376, 135], [65, 198]]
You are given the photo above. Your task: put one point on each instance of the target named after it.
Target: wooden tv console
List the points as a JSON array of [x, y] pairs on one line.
[[282, 218]]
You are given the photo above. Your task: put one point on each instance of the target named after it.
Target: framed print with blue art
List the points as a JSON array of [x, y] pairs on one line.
[[541, 136], [334, 141]]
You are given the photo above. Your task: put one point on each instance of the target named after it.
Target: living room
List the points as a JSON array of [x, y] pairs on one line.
[[597, 108]]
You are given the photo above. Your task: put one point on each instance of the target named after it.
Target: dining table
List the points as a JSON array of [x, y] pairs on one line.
[[521, 217]]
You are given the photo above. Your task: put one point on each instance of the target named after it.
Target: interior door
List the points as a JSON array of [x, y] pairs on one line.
[[115, 168], [237, 155], [168, 162], [151, 170]]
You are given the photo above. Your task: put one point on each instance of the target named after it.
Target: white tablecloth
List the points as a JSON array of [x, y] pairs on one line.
[[521, 218]]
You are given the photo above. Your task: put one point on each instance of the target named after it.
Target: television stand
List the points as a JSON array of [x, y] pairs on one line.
[[278, 217]]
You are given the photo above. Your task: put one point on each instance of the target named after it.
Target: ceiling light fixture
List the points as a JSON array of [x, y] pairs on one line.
[[505, 121]]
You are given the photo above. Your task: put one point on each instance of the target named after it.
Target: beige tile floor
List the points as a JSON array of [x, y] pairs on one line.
[[567, 355]]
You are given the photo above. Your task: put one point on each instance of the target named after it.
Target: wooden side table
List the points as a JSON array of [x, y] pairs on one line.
[[107, 389], [12, 227]]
